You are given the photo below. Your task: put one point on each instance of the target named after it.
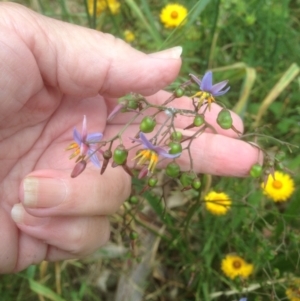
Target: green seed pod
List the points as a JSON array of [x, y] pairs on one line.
[[120, 155], [196, 184], [186, 179], [133, 235], [256, 170], [179, 92], [175, 147], [224, 119], [147, 124], [176, 136], [198, 120], [173, 170], [152, 181], [133, 199], [132, 104]]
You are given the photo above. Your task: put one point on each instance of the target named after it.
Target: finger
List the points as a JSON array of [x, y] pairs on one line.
[[84, 62], [183, 103], [212, 153], [55, 193], [75, 235]]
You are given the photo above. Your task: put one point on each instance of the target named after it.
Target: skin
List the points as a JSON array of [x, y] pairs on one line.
[[51, 74]]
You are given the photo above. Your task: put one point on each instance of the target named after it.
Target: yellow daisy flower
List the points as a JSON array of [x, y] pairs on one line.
[[279, 188], [102, 5], [217, 203], [173, 15], [234, 266], [293, 292], [129, 36]]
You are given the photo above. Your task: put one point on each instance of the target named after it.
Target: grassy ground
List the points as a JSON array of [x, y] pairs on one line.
[[178, 255]]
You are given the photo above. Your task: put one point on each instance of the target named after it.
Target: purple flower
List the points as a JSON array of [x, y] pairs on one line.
[[84, 145], [208, 90], [151, 153]]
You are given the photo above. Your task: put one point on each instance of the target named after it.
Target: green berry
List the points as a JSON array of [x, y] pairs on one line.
[[224, 119], [152, 181], [256, 170], [198, 120], [196, 184], [179, 92], [147, 124], [120, 155], [133, 199], [175, 147], [133, 235], [186, 179], [173, 170], [176, 136], [132, 104]]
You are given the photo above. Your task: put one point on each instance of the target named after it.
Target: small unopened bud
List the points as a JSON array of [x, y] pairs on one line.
[[107, 154], [128, 170], [78, 168], [143, 172]]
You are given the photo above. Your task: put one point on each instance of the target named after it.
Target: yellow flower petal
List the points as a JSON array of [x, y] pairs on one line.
[[279, 188], [293, 292], [217, 203]]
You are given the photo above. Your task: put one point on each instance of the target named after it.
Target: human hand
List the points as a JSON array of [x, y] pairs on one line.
[[51, 74]]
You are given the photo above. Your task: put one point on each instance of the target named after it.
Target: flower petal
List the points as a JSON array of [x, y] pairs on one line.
[[165, 154], [94, 158], [146, 143], [94, 137], [115, 111], [77, 137], [195, 79], [221, 92], [84, 129], [206, 83], [218, 87]]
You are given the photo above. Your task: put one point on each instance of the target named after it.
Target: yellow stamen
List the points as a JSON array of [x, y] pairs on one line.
[[204, 96], [277, 184], [147, 155], [72, 146]]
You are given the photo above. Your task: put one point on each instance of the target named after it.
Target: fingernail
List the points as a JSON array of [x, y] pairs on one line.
[[171, 53], [43, 192], [17, 213]]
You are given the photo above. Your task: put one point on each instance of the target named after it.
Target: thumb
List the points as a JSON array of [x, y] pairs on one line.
[[85, 62]]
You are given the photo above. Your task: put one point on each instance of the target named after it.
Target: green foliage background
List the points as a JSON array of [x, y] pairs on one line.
[[256, 45]]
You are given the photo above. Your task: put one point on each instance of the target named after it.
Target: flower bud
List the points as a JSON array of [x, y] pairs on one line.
[[107, 154], [120, 155], [256, 170], [198, 120], [147, 124], [179, 92], [78, 168], [175, 148], [173, 170], [224, 119]]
